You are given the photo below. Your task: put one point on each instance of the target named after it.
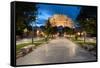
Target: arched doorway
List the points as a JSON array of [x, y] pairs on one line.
[[60, 31]]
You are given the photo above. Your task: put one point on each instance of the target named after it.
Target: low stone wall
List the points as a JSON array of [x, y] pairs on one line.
[[25, 50], [90, 48]]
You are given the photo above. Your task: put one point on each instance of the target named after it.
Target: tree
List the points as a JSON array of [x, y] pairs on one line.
[[68, 31], [88, 25], [48, 29], [87, 19], [54, 30], [25, 13]]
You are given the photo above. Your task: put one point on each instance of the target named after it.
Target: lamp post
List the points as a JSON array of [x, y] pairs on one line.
[[33, 24], [32, 32], [84, 35]]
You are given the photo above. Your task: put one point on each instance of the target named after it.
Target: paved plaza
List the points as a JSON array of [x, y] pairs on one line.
[[58, 50]]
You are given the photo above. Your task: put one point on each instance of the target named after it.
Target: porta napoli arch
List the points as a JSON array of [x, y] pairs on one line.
[[61, 20]]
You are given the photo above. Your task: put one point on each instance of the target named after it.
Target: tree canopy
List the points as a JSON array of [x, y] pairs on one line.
[[88, 19], [25, 13]]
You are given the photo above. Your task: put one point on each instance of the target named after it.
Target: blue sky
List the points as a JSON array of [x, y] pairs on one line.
[[45, 11]]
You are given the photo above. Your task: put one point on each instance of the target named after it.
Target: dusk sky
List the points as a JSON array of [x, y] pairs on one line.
[[45, 11]]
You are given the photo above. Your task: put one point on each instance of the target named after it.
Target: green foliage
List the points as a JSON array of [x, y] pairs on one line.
[[89, 25], [68, 30], [48, 28], [25, 14]]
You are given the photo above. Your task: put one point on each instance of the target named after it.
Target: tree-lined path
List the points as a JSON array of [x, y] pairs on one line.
[[56, 51]]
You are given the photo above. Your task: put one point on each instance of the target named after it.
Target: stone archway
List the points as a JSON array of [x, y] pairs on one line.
[[61, 21]]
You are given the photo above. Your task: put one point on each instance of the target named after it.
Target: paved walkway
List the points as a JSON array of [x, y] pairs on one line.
[[56, 51]]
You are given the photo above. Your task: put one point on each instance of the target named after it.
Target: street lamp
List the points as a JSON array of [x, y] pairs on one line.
[[33, 24], [32, 32]]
